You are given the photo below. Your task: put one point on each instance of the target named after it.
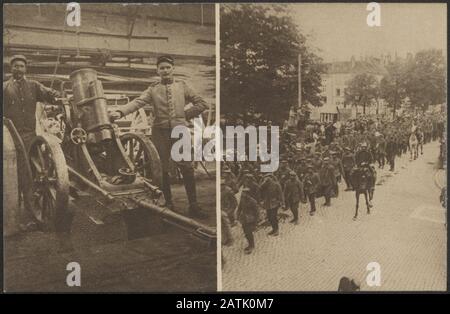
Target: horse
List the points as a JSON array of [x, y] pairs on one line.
[[413, 145], [363, 180]]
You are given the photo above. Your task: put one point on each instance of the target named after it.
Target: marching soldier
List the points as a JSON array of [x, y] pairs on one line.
[[391, 149], [348, 162], [338, 171], [293, 194], [282, 174], [248, 216], [230, 180], [380, 150], [168, 98], [311, 186], [327, 180], [273, 199], [250, 182], [228, 199]]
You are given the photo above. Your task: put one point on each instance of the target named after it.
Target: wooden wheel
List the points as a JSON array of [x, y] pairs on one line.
[[50, 199], [22, 163], [144, 156], [140, 123]]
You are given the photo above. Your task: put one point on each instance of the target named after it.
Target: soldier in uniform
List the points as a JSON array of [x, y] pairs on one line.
[[391, 149], [338, 170], [363, 155], [327, 180], [230, 180], [282, 174], [420, 138], [273, 199], [20, 96], [228, 204], [168, 98], [248, 214], [380, 150], [250, 182], [228, 199], [293, 194], [348, 162], [311, 185]]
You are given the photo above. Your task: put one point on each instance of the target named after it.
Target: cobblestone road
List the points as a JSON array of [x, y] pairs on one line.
[[405, 234]]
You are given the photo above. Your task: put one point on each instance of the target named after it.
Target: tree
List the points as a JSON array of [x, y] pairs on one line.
[[362, 90], [425, 79], [260, 45], [392, 87]]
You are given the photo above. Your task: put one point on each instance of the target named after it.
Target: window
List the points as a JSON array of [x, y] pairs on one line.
[[338, 92]]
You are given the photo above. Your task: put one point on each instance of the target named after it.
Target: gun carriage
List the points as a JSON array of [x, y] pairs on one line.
[[91, 159]]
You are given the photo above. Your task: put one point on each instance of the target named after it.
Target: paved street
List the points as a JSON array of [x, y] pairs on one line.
[[163, 259], [405, 234]]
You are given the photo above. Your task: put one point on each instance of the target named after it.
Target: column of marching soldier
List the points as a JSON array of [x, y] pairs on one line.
[[312, 164]]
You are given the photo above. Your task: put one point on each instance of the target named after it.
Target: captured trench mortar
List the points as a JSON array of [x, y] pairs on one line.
[[114, 174]]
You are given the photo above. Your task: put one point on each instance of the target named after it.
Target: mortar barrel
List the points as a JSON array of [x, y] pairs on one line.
[[199, 228]]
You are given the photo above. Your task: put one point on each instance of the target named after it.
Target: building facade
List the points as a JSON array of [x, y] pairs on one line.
[[335, 82]]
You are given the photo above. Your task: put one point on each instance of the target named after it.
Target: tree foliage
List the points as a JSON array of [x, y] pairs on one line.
[[392, 88], [362, 90], [260, 45], [425, 79]]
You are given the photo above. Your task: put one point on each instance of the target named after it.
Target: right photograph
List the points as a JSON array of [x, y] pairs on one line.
[[334, 165]]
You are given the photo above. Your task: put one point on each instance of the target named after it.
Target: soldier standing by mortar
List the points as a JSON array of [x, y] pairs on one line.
[[168, 98], [20, 97]]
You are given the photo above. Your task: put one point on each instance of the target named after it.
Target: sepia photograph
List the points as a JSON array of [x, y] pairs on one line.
[[354, 99], [93, 200]]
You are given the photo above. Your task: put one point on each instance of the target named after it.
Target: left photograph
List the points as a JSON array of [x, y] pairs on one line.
[[96, 101]]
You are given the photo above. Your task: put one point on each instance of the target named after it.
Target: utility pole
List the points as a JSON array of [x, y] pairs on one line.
[[299, 80]]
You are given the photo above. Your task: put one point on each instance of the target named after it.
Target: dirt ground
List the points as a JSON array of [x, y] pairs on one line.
[[162, 259]]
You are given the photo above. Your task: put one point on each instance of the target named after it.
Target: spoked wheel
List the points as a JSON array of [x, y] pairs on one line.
[[50, 189], [140, 123], [144, 156]]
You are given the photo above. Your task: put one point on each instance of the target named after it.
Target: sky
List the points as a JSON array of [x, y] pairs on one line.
[[340, 30]]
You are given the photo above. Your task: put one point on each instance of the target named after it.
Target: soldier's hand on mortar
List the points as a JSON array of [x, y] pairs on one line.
[[114, 115]]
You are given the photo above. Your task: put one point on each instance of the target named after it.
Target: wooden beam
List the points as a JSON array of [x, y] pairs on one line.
[[99, 34]]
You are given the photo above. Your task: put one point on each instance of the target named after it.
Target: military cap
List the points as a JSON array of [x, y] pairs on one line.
[[18, 57], [245, 189], [226, 170], [333, 153], [326, 159], [292, 173], [309, 166], [165, 58]]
